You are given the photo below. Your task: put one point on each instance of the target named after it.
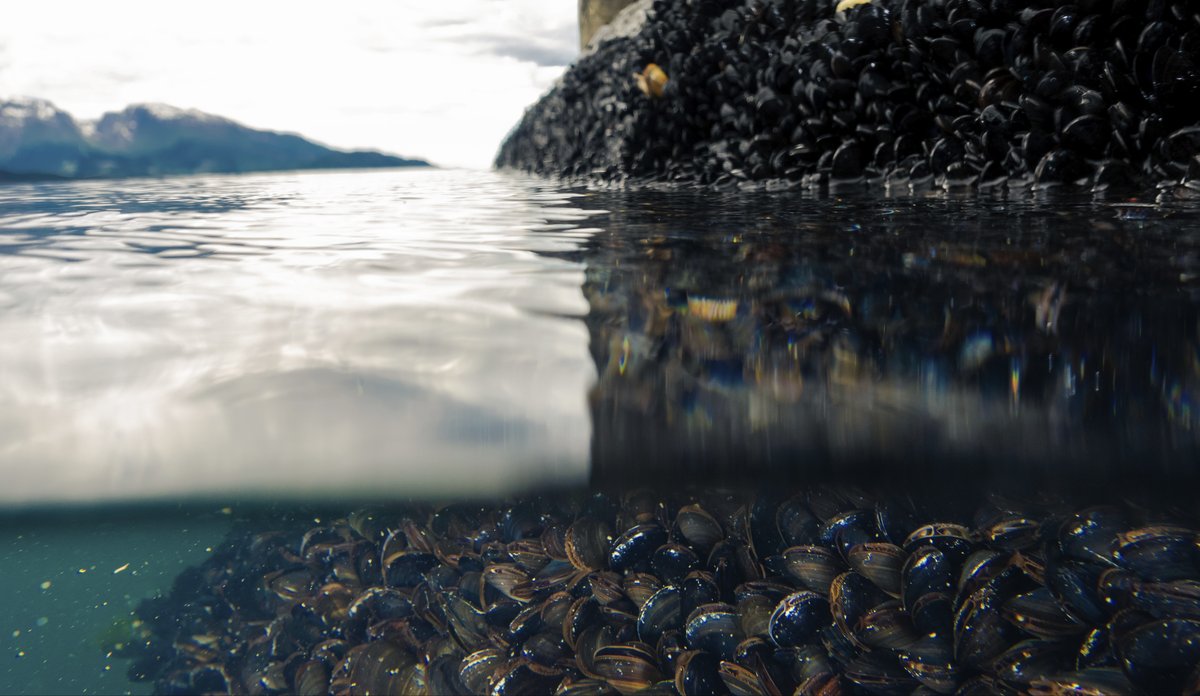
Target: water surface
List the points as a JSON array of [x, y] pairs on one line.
[[246, 339], [454, 332], [289, 333]]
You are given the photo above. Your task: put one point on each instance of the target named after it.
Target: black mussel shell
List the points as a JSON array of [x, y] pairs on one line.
[[1159, 553], [1161, 656], [636, 546], [797, 618], [661, 613], [698, 673], [715, 629]]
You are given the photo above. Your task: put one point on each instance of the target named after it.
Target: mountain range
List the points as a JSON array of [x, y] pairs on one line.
[[40, 141]]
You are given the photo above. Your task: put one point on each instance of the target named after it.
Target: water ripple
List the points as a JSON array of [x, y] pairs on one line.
[[290, 332]]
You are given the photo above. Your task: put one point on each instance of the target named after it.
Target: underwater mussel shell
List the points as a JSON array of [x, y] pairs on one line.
[[797, 618], [586, 544], [1105, 598]]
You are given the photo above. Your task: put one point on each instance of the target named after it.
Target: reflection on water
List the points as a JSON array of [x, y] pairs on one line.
[[267, 334], [823, 336], [418, 332]]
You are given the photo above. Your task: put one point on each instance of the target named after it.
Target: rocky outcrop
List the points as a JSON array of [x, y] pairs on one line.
[[956, 93]]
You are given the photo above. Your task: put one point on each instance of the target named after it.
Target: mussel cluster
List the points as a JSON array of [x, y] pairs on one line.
[[956, 93], [829, 591]]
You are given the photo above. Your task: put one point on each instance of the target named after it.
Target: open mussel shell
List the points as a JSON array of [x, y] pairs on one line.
[[639, 588], [714, 628], [754, 612], [930, 661], [880, 563], [627, 667], [587, 543], [581, 614], [605, 586], [378, 667], [813, 567], [741, 681], [797, 618], [509, 580], [588, 644], [699, 529], [851, 596], [1161, 657]]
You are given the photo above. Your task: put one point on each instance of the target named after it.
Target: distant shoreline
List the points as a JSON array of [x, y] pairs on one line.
[[16, 178], [40, 142]]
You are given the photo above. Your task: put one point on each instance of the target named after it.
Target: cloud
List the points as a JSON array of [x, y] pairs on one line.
[[526, 50], [444, 22], [442, 81]]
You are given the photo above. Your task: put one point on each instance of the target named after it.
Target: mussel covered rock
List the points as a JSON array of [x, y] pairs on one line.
[[689, 593], [913, 93]]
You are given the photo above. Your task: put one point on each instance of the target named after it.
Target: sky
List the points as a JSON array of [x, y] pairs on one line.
[[442, 80]]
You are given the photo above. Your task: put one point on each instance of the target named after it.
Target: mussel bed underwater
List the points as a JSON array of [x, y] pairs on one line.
[[830, 590]]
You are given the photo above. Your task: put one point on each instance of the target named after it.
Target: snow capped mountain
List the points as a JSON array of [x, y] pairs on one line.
[[137, 125], [154, 139], [26, 122]]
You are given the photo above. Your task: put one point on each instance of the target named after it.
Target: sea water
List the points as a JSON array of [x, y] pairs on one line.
[[178, 354]]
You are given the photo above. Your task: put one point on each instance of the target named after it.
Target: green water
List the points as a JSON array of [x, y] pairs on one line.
[[70, 582]]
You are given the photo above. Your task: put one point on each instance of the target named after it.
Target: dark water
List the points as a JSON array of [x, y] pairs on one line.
[[222, 341]]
